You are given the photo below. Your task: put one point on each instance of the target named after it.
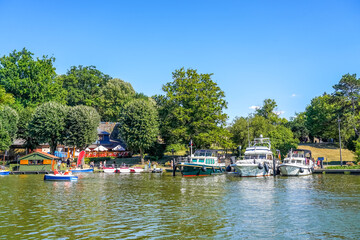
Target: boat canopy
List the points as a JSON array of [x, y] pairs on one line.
[[205, 153]]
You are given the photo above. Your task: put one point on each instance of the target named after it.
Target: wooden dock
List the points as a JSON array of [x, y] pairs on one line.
[[337, 171], [29, 172]]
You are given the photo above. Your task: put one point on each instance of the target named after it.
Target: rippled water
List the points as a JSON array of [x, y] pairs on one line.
[[155, 206]]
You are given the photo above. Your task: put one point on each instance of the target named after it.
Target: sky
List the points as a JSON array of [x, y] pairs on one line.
[[289, 51]]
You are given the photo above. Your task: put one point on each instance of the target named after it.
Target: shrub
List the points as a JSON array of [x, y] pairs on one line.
[[177, 147], [156, 151]]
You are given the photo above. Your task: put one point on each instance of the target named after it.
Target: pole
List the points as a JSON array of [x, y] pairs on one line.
[[190, 147], [341, 163], [248, 133]]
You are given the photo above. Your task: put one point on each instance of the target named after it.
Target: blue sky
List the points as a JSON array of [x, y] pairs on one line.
[[290, 51]]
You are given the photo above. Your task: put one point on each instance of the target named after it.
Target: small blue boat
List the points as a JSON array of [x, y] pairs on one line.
[[4, 172], [78, 170], [52, 177]]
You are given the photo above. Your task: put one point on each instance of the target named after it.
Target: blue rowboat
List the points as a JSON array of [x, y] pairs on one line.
[[4, 172], [82, 170], [52, 177]]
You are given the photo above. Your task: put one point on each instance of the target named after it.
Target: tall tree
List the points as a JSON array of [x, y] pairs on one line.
[[192, 109], [8, 126], [81, 126], [138, 125], [31, 81], [297, 125], [25, 116], [282, 139], [267, 110], [83, 85], [48, 124], [321, 117], [113, 96]]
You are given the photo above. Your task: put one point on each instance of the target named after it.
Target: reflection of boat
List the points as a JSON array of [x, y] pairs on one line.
[[201, 163], [79, 170], [4, 172], [298, 162], [124, 170], [258, 160], [58, 177]]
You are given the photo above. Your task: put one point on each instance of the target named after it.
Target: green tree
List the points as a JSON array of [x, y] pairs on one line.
[[282, 139], [81, 126], [321, 117], [113, 96], [25, 116], [138, 125], [8, 126], [83, 85], [267, 110], [297, 125], [30, 81], [6, 98], [48, 124], [192, 109]]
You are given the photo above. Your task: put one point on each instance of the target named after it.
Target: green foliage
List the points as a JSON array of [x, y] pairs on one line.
[[267, 110], [156, 150], [30, 81], [321, 117], [83, 85], [48, 124], [25, 116], [98, 160], [357, 151], [9, 120], [113, 96], [81, 126], [6, 98], [176, 147], [138, 125], [297, 125], [192, 109], [282, 139], [5, 139]]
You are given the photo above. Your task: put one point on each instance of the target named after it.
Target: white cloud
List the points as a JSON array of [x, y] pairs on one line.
[[279, 112], [254, 107], [293, 95]]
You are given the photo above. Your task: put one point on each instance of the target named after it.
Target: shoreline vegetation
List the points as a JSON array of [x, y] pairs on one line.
[[38, 106]]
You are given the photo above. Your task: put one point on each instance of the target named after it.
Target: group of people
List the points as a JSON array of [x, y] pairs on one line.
[[61, 163]]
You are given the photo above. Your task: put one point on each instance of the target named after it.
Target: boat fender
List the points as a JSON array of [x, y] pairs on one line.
[[213, 169], [301, 170], [203, 168], [228, 168], [266, 167], [260, 166]]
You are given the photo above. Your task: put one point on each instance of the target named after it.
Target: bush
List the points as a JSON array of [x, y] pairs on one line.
[[96, 159], [357, 151], [156, 151]]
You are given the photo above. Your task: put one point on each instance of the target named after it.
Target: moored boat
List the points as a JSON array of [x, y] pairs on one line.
[[59, 177], [109, 170], [202, 163], [84, 170], [4, 172], [258, 159], [298, 162]]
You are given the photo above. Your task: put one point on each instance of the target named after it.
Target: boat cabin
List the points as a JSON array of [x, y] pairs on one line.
[[205, 157], [298, 156]]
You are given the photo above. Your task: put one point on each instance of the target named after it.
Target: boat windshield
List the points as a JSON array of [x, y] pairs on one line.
[[255, 156]]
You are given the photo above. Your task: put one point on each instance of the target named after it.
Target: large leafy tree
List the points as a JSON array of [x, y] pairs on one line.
[[192, 109], [282, 139], [113, 96], [138, 125], [8, 126], [81, 126], [25, 116], [321, 117], [31, 81], [48, 124], [297, 125], [267, 110], [83, 85]]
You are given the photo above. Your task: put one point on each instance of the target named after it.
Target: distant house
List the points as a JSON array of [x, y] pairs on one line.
[[37, 162]]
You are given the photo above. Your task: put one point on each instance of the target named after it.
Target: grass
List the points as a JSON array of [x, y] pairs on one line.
[[330, 152]]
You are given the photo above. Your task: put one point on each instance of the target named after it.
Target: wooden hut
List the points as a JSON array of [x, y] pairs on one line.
[[37, 162]]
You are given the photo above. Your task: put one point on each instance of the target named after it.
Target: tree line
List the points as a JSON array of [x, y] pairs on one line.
[[39, 106]]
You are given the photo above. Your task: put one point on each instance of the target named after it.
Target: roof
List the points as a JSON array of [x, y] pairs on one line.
[[38, 156]]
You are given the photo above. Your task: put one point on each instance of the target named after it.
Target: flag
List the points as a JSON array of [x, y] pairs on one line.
[[190, 143]]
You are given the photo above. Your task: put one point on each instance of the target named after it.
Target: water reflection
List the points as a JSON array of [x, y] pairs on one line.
[[131, 206]]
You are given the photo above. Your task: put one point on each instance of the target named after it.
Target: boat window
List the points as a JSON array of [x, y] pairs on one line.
[[194, 160], [269, 157], [262, 156], [201, 160], [293, 161], [286, 161], [298, 161]]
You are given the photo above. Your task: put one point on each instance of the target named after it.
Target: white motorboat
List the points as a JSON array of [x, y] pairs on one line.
[[298, 162], [258, 159]]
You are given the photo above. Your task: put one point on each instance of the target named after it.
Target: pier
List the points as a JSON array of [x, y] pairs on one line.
[[337, 171]]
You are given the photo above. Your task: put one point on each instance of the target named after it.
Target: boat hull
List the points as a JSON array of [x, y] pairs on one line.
[[52, 177], [4, 172], [82, 170], [196, 170], [293, 170], [252, 170]]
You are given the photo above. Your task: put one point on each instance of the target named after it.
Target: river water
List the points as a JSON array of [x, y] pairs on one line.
[[159, 206]]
